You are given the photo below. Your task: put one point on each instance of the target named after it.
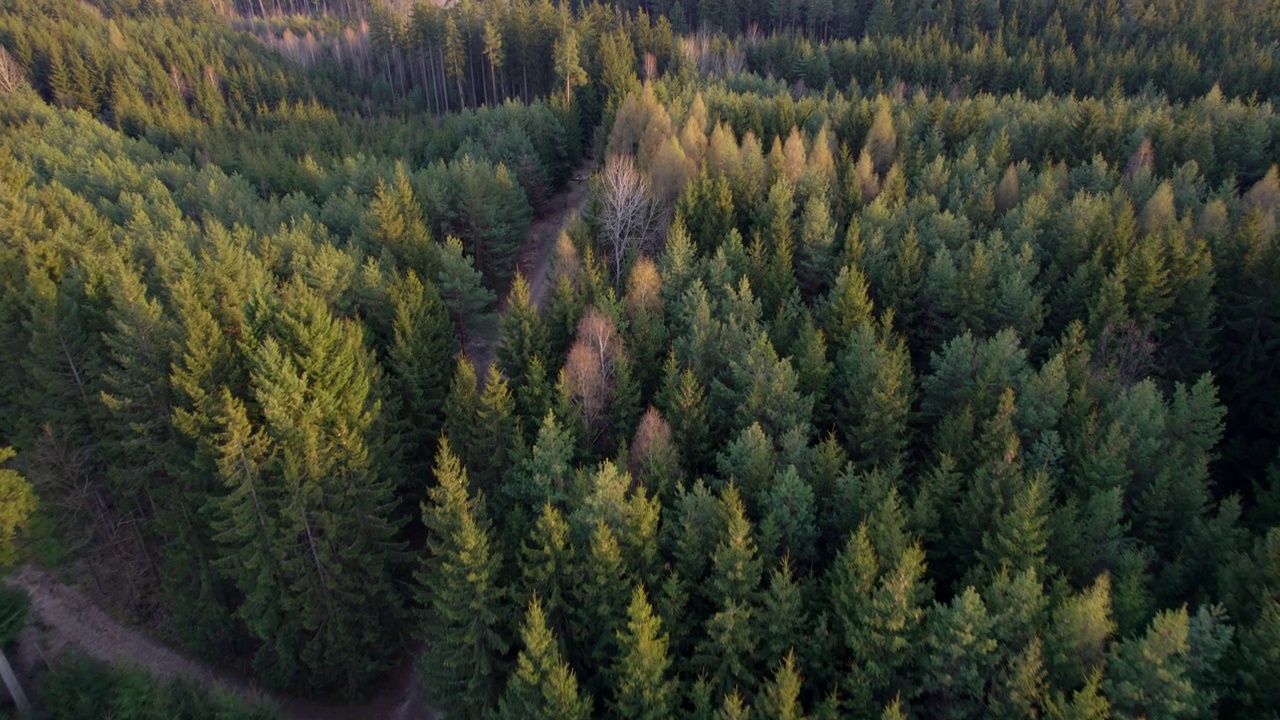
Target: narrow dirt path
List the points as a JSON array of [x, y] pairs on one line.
[[66, 619], [69, 618], [534, 259]]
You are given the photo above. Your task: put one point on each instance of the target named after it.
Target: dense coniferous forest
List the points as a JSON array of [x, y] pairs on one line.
[[906, 358]]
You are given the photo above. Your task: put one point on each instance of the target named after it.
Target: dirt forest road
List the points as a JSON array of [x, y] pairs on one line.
[[69, 618], [66, 618], [534, 259]]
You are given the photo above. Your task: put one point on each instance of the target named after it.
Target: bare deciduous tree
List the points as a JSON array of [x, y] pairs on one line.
[[11, 75], [1142, 160], [599, 334], [587, 379], [654, 456], [585, 387], [867, 179], [630, 220], [1007, 192], [713, 55]]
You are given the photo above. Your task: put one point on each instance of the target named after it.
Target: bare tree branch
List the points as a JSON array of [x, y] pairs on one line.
[[629, 218], [12, 76]]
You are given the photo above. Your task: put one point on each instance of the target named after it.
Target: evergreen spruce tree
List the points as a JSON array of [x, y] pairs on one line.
[[549, 570], [1019, 534], [457, 585], [19, 502], [813, 370], [332, 542], [1087, 703], [1018, 609], [522, 335], [543, 686], [246, 525], [958, 658], [420, 363], [462, 288], [728, 651], [683, 400], [707, 211], [790, 525], [1148, 676], [203, 360], [494, 54], [137, 393], [643, 689], [850, 583], [997, 478], [569, 71], [1080, 632], [816, 253], [893, 710], [783, 615], [848, 306], [878, 604], [733, 708], [462, 411], [600, 609], [1259, 658], [882, 139], [498, 439], [534, 399], [395, 222], [872, 394], [149, 463], [781, 697]]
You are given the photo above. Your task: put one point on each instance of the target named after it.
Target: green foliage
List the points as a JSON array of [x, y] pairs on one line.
[[464, 294], [960, 652], [14, 604], [873, 385], [18, 499], [457, 583], [727, 651], [523, 337], [1153, 675], [543, 686], [642, 686], [421, 358], [781, 698], [230, 333], [395, 222], [567, 64], [304, 529], [78, 687]]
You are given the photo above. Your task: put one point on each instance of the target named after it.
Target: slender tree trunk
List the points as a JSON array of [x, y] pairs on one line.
[[444, 80], [471, 72], [404, 89], [428, 88], [391, 78], [437, 84], [15, 688]]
